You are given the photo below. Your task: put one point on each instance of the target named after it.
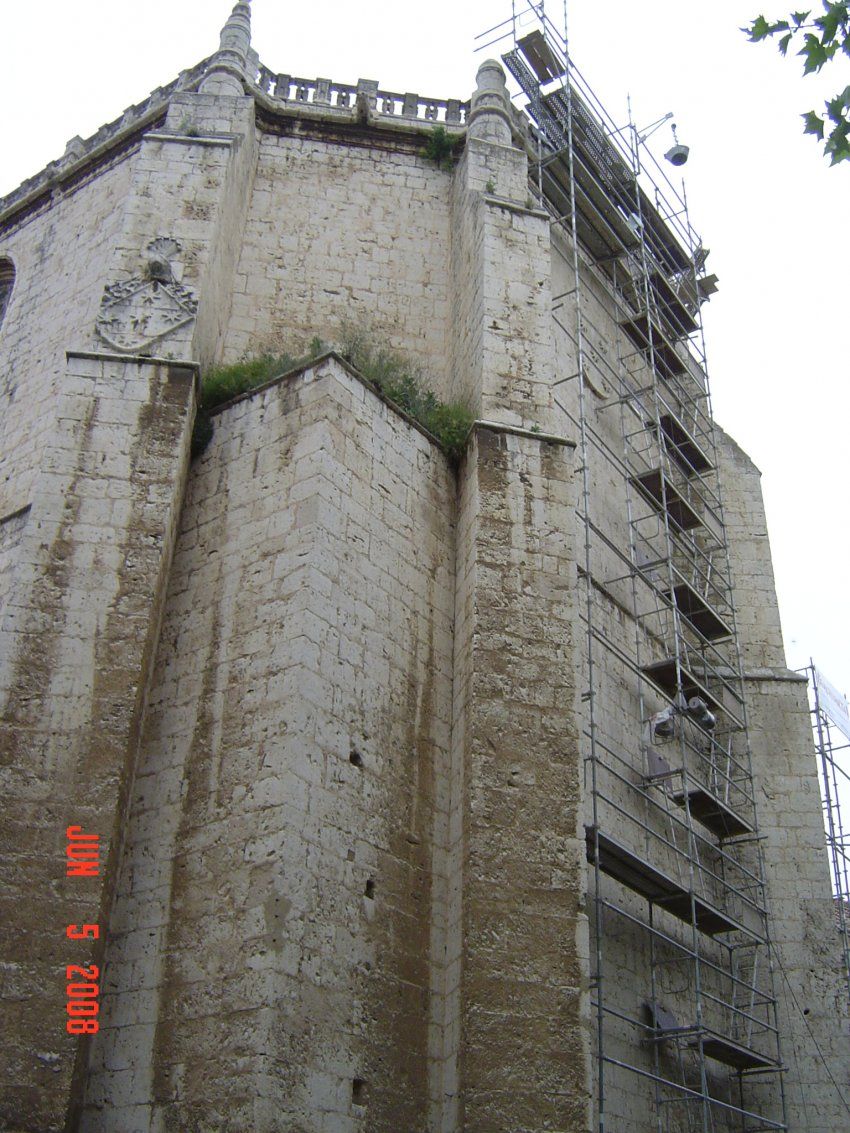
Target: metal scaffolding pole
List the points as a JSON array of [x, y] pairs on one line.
[[831, 727]]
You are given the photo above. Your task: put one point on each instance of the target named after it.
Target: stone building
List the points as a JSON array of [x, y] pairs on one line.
[[430, 794]]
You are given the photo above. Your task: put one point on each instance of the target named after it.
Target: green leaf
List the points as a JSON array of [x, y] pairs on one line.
[[836, 15], [759, 29], [838, 146], [814, 52], [814, 125], [832, 26], [837, 107]]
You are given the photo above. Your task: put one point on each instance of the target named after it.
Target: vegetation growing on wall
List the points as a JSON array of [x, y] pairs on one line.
[[223, 383], [404, 384], [398, 381], [440, 147]]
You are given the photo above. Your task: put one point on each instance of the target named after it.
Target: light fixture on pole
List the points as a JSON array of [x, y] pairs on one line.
[[677, 154]]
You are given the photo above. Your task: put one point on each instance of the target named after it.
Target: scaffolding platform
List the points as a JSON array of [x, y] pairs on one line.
[[694, 608], [703, 805], [540, 56], [637, 874], [682, 447], [712, 812], [645, 332], [731, 1053], [671, 307], [602, 227], [713, 1044], [663, 676], [629, 234], [656, 487]]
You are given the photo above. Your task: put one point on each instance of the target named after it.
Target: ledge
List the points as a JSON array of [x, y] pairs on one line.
[[139, 359], [313, 364], [190, 140], [15, 514], [512, 206], [270, 109], [112, 138], [768, 674], [517, 431]]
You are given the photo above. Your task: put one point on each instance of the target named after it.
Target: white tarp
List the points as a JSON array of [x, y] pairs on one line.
[[832, 703]]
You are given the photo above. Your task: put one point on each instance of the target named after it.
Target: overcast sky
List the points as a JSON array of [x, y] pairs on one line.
[[762, 196]]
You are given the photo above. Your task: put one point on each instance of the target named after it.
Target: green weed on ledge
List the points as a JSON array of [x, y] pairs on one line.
[[440, 147], [403, 383], [223, 383], [397, 379]]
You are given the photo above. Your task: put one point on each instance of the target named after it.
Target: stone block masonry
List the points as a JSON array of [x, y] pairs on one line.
[[522, 941], [286, 844], [341, 235], [59, 253], [809, 977], [80, 626]]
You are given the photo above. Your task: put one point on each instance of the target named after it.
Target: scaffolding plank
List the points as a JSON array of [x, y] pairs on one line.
[[602, 228], [707, 917], [672, 307], [656, 487], [642, 331], [731, 1053], [663, 675], [713, 1044], [624, 865], [540, 57], [682, 447], [691, 605], [591, 144], [714, 814], [639, 875]]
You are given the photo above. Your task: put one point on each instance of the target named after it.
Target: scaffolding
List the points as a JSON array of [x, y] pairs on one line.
[[831, 728], [682, 975]]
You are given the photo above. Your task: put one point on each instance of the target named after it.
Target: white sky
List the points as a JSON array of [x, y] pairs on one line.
[[761, 195]]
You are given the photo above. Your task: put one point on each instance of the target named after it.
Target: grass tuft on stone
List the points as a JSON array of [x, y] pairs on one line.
[[222, 383], [397, 379], [403, 383]]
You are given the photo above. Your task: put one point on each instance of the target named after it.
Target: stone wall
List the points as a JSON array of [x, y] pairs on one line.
[[352, 879], [809, 975], [79, 629], [60, 252], [276, 958], [344, 230], [757, 610], [524, 1043], [11, 531]]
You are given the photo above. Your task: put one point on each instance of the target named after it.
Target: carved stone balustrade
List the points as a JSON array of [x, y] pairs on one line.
[[342, 96]]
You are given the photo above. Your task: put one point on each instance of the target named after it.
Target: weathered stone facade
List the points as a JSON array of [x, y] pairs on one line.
[[324, 693]]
